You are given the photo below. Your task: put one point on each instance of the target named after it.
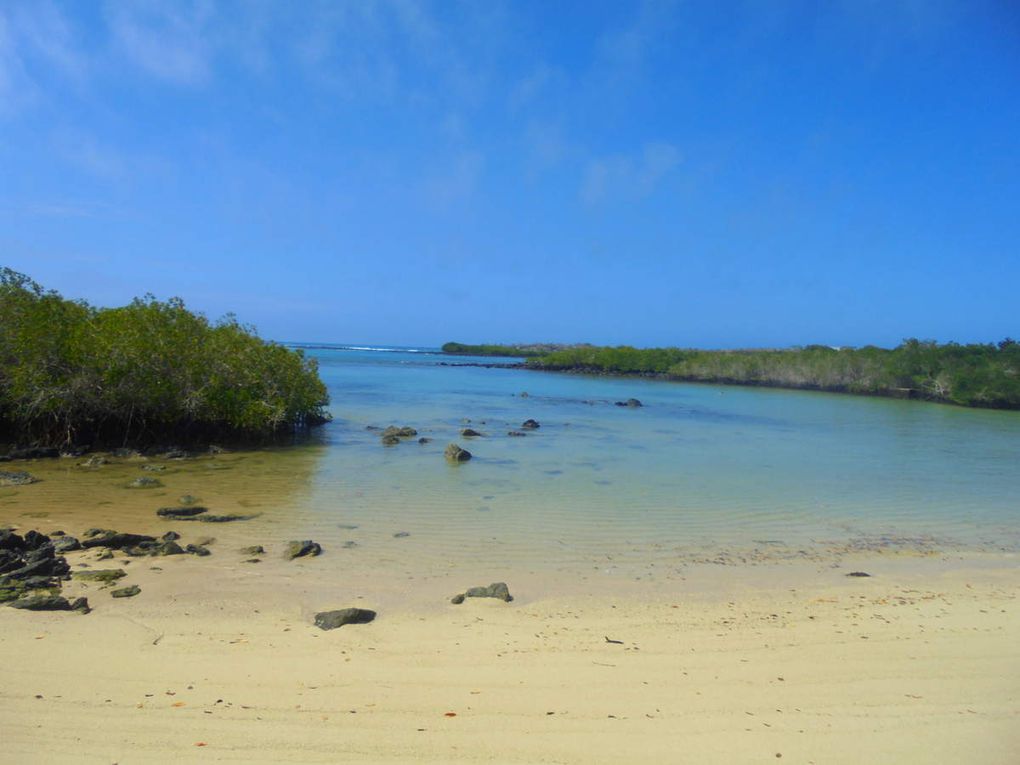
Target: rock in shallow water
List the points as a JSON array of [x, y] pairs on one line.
[[16, 478], [330, 620], [126, 592], [455, 454], [497, 590], [145, 482], [530, 425], [296, 549], [181, 512]]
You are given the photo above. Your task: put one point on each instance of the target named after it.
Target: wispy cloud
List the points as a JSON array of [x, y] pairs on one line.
[[628, 176], [169, 40], [35, 39]]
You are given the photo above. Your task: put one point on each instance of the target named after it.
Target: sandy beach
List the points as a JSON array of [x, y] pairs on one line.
[[218, 661]]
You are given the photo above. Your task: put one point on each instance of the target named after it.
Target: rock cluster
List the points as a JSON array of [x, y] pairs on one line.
[[497, 590], [31, 573]]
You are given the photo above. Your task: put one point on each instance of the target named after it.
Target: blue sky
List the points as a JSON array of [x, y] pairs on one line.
[[683, 173]]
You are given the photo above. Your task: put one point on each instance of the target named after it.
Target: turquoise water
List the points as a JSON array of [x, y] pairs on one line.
[[698, 467]]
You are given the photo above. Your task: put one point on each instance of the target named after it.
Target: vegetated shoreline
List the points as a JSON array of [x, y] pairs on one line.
[[148, 375], [978, 375]]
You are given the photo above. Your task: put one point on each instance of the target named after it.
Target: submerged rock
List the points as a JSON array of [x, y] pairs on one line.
[[633, 403], [126, 592], [198, 550], [181, 512], [516, 434], [497, 590], [424, 440], [330, 620], [188, 499], [454, 453], [390, 440], [145, 482], [403, 432], [470, 433], [301, 549], [253, 550], [16, 478], [530, 425]]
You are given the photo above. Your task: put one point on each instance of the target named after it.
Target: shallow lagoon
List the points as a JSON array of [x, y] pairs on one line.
[[701, 473], [697, 466]]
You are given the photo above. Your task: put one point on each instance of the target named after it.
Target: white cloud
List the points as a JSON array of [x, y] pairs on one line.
[[628, 176]]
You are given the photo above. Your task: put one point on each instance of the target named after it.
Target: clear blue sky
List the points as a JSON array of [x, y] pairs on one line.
[[713, 174]]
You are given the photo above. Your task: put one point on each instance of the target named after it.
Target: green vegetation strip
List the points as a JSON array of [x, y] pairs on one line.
[[970, 375], [150, 371]]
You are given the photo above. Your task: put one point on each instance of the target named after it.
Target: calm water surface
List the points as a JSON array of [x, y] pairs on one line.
[[699, 466]]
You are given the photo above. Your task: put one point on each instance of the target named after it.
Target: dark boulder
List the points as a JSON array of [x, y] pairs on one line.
[[633, 403], [330, 620], [114, 540], [403, 432], [42, 603], [497, 590], [34, 540], [470, 433], [301, 549], [126, 592], [66, 544], [530, 425], [454, 453], [170, 536], [11, 541], [198, 550], [424, 440]]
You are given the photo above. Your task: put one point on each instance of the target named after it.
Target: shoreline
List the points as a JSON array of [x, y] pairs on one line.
[[726, 654]]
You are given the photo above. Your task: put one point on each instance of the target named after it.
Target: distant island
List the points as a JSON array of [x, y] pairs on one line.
[[521, 350], [977, 375], [148, 373]]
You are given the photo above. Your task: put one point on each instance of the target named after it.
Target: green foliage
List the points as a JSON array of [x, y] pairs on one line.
[[523, 351], [71, 373], [970, 375]]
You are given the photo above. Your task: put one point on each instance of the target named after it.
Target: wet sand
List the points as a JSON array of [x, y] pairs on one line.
[[217, 659]]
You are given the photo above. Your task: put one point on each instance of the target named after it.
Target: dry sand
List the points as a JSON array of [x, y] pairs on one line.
[[217, 661]]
